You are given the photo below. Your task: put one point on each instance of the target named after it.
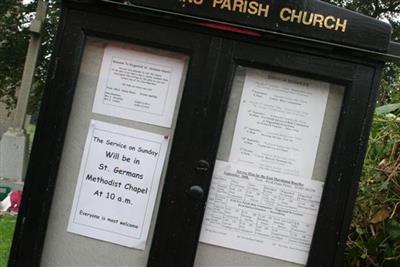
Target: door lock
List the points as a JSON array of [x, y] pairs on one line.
[[202, 166]]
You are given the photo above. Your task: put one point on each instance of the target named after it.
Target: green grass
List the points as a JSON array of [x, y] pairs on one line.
[[7, 225]]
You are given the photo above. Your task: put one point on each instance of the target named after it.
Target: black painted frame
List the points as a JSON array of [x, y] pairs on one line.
[[199, 124], [342, 178]]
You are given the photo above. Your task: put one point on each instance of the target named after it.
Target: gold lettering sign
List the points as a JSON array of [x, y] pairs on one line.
[[286, 14], [251, 7], [313, 19], [243, 6]]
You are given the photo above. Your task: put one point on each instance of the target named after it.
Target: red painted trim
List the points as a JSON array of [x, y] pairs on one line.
[[225, 27]]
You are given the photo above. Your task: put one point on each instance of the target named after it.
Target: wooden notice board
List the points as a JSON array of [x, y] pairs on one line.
[[200, 133]]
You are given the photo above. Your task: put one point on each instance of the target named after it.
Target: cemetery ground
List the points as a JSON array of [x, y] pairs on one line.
[[8, 221]]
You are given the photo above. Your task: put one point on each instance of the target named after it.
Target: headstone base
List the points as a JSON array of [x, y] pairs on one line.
[[14, 149]]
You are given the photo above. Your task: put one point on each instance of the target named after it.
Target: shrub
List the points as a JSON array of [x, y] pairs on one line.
[[374, 238]]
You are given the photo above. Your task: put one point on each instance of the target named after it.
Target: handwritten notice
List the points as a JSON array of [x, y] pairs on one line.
[[261, 212], [117, 184], [138, 85], [279, 123]]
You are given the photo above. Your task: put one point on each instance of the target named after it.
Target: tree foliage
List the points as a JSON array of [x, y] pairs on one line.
[[15, 18], [13, 44], [386, 10]]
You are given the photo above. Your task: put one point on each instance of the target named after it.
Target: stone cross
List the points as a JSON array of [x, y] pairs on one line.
[[30, 64], [14, 144]]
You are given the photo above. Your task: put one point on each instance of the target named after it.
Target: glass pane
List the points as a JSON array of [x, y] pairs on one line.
[[115, 155], [271, 166]]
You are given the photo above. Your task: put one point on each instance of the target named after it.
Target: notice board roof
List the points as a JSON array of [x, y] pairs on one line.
[[312, 19]]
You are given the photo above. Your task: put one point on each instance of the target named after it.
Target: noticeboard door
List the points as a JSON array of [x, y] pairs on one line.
[[126, 101], [272, 161], [152, 138], [283, 168]]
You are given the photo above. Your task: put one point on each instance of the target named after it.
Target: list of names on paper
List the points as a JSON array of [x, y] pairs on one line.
[[138, 85], [117, 184], [279, 123]]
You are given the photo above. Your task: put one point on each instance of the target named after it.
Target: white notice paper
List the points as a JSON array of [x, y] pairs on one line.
[[279, 123], [261, 212], [139, 85], [264, 200], [117, 184]]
